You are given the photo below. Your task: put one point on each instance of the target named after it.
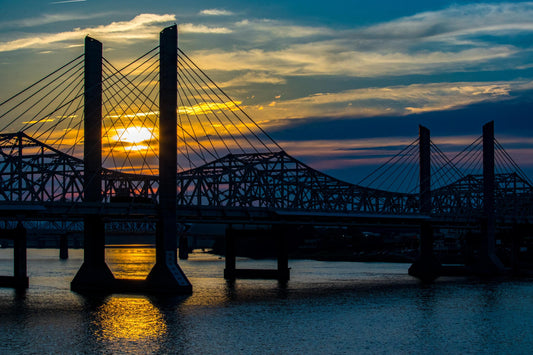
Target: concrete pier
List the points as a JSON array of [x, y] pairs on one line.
[[94, 274], [426, 267], [282, 273], [488, 264], [20, 279], [63, 246], [166, 275]]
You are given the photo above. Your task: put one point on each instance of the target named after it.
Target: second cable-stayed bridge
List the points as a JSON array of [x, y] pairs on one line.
[[159, 141]]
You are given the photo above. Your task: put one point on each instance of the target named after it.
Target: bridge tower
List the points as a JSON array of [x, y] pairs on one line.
[[489, 263], [166, 275], [94, 273], [426, 267]]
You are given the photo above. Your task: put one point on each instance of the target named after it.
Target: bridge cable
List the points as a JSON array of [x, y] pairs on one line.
[[33, 95], [386, 165], [131, 117], [206, 113], [218, 118], [224, 113], [39, 81], [512, 161], [234, 103], [198, 119]]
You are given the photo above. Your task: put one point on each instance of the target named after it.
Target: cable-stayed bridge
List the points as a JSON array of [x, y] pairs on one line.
[[158, 140]]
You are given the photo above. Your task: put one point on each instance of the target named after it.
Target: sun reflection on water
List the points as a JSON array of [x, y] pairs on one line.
[[132, 262], [129, 319]]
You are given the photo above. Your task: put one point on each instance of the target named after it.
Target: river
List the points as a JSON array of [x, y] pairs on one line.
[[326, 308]]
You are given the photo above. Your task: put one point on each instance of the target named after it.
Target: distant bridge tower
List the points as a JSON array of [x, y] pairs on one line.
[[426, 267], [489, 263], [94, 273]]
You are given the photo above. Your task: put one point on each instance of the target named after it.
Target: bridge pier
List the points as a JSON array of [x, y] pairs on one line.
[[489, 264], [166, 276], [183, 247], [19, 280], [63, 246], [282, 273], [94, 274], [426, 267]]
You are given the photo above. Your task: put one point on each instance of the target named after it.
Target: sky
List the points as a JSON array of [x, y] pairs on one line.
[[340, 85]]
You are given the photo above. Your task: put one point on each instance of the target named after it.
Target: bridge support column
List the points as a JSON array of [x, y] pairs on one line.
[[167, 276], [229, 271], [516, 241], [426, 267], [20, 257], [279, 234], [489, 264], [19, 280], [63, 246], [183, 247], [94, 274]]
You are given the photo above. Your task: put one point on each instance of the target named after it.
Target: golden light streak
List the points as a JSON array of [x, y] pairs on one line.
[[134, 115], [209, 107], [131, 319], [39, 121]]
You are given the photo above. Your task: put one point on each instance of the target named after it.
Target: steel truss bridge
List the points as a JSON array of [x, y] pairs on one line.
[[35, 176], [228, 170]]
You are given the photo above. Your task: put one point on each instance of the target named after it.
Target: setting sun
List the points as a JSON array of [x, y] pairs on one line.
[[134, 135]]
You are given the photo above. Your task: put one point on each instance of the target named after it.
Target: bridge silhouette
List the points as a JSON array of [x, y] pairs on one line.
[[100, 145]]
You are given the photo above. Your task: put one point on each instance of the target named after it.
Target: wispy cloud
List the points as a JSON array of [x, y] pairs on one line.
[[458, 38], [191, 28], [390, 101], [253, 78], [458, 21], [334, 58], [216, 12], [275, 29], [66, 1], [144, 26], [47, 19]]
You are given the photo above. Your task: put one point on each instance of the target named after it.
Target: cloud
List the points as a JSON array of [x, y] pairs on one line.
[[216, 12], [455, 39], [66, 2], [278, 29], [253, 78], [143, 26], [457, 21], [47, 19], [191, 28], [333, 58], [392, 100]]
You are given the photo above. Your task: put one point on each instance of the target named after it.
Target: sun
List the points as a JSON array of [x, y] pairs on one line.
[[133, 135]]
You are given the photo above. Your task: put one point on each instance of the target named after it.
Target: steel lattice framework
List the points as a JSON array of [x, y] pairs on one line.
[[33, 172], [277, 180], [464, 198]]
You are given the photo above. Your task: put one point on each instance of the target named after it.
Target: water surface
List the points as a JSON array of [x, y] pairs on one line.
[[327, 307]]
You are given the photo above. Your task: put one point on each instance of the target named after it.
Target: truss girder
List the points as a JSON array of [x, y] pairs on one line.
[[276, 180], [464, 198], [31, 171]]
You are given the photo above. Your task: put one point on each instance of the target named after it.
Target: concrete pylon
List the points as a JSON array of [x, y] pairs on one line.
[[488, 264], [166, 275], [426, 266], [94, 274]]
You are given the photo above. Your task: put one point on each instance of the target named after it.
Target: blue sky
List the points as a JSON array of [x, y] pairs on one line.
[[337, 83]]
